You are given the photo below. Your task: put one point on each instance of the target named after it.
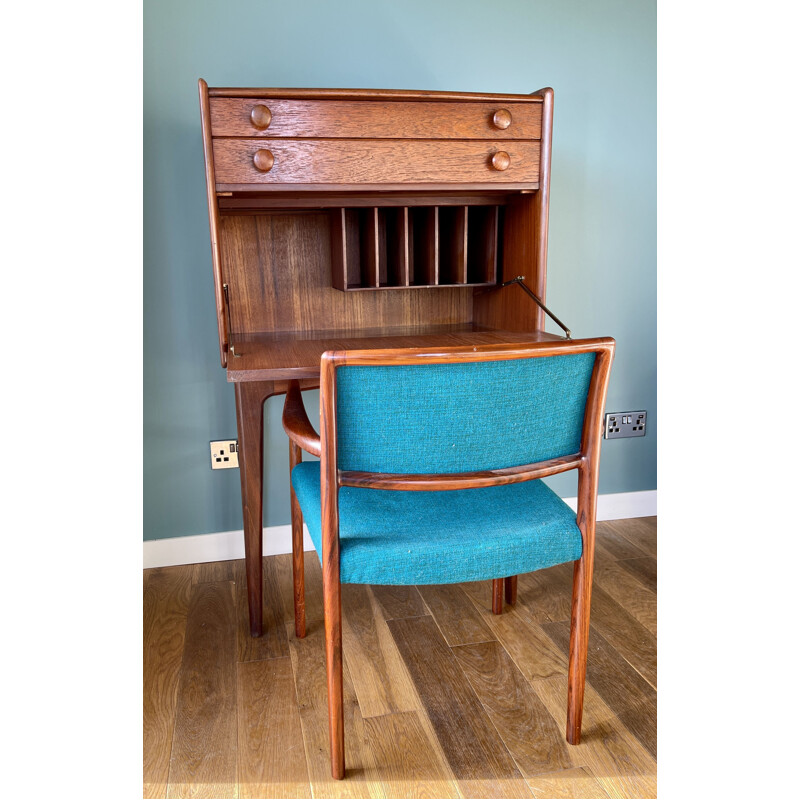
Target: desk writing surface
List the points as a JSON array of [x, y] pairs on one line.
[[296, 354]]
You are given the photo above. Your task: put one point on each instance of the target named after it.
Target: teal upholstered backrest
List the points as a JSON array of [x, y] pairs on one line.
[[461, 417]]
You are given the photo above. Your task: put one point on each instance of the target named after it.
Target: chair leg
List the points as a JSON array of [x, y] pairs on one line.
[[332, 599], [298, 570], [578, 646], [511, 590], [497, 595]]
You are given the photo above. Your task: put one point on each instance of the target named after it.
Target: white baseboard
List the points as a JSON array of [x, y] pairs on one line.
[[229, 545], [623, 505], [223, 546]]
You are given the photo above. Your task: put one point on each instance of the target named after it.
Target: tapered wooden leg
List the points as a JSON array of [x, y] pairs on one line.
[[298, 571], [250, 424], [578, 649], [332, 599], [581, 604], [497, 595], [511, 589]]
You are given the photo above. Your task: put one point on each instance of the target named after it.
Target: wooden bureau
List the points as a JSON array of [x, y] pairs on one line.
[[346, 219]]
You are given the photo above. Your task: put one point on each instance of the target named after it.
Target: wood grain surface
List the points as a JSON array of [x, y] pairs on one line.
[[479, 719], [643, 569], [166, 605], [458, 621], [203, 761], [399, 601], [374, 119], [375, 161], [569, 784], [629, 592], [380, 678], [462, 725], [519, 716], [271, 753], [308, 665], [623, 689], [410, 763], [527, 643], [272, 643], [278, 356], [622, 766]]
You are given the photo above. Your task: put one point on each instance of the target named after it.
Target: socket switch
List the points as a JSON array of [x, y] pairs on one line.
[[225, 454], [621, 425]]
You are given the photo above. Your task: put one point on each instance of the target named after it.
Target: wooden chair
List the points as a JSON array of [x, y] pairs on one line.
[[428, 470]]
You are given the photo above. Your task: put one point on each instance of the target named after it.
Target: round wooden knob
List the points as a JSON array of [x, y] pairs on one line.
[[263, 160], [501, 160], [501, 119], [261, 117]]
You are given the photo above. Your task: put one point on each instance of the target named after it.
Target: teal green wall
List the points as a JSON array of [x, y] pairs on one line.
[[600, 58]]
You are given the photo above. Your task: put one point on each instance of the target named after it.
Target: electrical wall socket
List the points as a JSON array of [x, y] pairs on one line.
[[622, 424], [225, 454]]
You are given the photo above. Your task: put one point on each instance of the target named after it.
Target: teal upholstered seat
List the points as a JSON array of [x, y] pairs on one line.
[[400, 537], [452, 418]]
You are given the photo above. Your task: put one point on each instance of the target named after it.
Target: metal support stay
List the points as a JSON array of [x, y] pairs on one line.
[[228, 318], [520, 279]]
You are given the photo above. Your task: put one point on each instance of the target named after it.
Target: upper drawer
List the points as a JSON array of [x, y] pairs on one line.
[[371, 119], [354, 161]]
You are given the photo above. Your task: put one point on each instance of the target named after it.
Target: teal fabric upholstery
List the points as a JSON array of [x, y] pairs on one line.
[[402, 538], [444, 418]]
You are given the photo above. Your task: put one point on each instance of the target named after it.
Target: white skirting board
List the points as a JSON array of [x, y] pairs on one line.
[[278, 538]]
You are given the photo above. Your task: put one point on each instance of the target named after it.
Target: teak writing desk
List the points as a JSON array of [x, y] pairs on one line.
[[346, 219]]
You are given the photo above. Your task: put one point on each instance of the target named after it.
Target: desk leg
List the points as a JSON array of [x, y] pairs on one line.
[[250, 399]]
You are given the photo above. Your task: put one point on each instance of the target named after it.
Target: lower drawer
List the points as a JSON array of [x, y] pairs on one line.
[[374, 161]]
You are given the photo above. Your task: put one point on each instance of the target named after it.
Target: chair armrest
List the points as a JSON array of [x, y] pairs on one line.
[[296, 423]]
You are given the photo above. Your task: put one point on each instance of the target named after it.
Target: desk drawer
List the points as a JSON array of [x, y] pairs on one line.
[[333, 119], [353, 161]]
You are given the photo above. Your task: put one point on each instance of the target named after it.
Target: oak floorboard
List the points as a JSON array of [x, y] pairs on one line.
[[213, 571], [191, 644], [543, 596], [532, 650], [568, 784], [166, 604], [308, 666], [643, 569], [271, 753], [411, 765], [611, 543], [528, 730], [623, 689], [621, 765], [622, 631], [458, 620], [626, 634], [635, 598], [399, 601], [272, 643], [641, 532], [203, 761], [380, 677], [479, 760], [313, 585]]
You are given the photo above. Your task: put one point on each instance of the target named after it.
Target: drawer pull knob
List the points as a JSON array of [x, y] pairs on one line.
[[502, 119], [501, 160], [261, 117], [263, 160]]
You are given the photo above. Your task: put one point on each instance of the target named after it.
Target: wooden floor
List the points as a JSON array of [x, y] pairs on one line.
[[442, 698]]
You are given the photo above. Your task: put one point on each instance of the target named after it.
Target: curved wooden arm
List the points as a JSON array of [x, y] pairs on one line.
[[296, 423]]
